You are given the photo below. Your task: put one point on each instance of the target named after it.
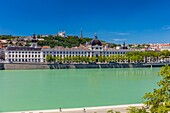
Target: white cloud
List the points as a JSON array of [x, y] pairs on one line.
[[119, 39], [166, 28], [120, 33]]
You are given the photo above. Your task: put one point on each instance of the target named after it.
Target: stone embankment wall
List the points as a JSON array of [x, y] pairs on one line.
[[24, 66], [1, 66], [82, 66]]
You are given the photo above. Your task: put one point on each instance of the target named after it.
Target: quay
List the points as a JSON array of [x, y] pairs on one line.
[[26, 66], [102, 109]]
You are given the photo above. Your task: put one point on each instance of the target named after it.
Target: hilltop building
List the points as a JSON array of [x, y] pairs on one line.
[[62, 34]]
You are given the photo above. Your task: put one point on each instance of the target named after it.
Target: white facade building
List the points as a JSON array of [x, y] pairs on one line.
[[23, 54], [33, 54], [62, 34], [167, 47]]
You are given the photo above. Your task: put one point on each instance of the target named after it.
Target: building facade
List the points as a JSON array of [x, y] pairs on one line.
[[2, 55], [23, 54], [34, 54]]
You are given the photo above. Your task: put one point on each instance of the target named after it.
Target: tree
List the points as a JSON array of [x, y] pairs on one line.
[[50, 58], [137, 110], [157, 101]]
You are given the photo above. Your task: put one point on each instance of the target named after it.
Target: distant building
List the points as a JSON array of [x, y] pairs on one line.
[[1, 45], [4, 41], [62, 34], [159, 47], [44, 36], [165, 47]]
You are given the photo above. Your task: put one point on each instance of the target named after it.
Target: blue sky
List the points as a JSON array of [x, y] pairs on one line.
[[118, 21]]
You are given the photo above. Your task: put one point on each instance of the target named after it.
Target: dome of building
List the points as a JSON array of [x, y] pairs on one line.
[[95, 41]]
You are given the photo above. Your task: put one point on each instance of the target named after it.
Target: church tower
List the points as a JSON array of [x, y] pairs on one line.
[[34, 41]]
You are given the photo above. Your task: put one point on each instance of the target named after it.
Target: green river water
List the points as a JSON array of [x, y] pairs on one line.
[[22, 90]]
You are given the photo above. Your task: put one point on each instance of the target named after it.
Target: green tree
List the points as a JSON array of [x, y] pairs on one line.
[[159, 100], [50, 58], [136, 110]]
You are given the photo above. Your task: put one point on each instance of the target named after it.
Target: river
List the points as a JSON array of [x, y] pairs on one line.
[[22, 90]]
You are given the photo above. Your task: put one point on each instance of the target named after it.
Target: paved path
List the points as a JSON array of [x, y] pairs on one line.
[[103, 109]]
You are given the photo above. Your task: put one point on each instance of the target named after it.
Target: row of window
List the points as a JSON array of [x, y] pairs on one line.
[[24, 60], [66, 52], [22, 52], [63, 52], [83, 52], [22, 56], [97, 48]]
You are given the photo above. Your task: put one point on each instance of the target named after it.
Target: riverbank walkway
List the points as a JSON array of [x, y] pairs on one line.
[[103, 109]]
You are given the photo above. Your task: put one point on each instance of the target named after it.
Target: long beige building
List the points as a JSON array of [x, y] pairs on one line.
[[34, 54]]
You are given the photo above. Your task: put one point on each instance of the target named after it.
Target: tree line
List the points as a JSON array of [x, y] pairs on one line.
[[129, 57]]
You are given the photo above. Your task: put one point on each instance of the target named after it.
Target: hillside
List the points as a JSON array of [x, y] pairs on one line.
[[70, 41]]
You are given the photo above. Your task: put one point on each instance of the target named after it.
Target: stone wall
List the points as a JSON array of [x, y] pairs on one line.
[[24, 66], [1, 66]]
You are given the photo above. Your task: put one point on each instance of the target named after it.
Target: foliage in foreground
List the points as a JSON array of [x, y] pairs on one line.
[[136, 110], [158, 101]]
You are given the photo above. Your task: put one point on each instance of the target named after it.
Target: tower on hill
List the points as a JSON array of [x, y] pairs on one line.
[[81, 33]]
